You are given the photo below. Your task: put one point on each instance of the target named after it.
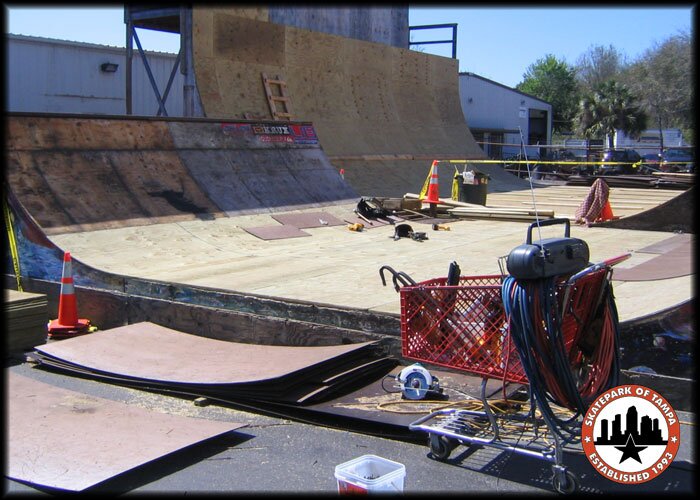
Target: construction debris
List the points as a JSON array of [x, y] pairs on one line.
[[470, 210]]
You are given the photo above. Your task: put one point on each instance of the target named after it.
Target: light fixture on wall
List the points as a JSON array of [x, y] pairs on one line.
[[522, 102], [109, 67]]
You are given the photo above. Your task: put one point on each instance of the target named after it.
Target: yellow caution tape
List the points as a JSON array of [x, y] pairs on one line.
[[546, 162], [12, 241]]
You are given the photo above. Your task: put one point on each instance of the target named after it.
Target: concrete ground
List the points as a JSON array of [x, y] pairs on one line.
[[274, 455]]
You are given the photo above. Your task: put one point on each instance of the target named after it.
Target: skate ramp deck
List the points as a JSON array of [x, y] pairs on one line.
[[86, 173], [673, 216], [382, 113]]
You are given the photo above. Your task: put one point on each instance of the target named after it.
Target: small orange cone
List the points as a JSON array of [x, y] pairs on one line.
[[433, 189], [606, 213], [68, 324]]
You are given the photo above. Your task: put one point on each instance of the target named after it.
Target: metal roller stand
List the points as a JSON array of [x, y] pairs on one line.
[[449, 428]]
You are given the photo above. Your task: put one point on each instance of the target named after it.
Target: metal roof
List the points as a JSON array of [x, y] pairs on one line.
[[467, 73]]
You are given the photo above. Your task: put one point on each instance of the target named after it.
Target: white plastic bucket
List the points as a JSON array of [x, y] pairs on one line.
[[370, 474]]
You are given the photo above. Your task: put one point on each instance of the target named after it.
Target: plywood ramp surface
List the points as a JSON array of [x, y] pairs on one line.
[[75, 174], [363, 98], [78, 174]]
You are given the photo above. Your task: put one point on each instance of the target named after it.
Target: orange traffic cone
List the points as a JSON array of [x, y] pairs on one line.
[[433, 190], [68, 324], [606, 213]]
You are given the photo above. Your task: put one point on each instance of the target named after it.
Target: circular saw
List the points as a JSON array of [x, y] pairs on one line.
[[416, 382]]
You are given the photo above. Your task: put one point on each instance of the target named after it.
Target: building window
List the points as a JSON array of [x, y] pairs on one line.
[[496, 150]]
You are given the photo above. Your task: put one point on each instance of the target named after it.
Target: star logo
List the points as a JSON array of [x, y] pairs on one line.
[[630, 450]]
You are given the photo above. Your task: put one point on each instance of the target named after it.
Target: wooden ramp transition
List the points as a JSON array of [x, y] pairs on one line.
[[382, 113]]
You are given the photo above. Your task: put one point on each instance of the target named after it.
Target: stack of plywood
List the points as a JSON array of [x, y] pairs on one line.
[[151, 356], [473, 211], [27, 317]]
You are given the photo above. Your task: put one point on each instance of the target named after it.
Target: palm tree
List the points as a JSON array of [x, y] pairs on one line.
[[610, 107]]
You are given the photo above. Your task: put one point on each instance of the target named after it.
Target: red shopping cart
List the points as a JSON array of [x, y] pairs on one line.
[[465, 327]]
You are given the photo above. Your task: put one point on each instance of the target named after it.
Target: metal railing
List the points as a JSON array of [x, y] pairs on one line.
[[453, 41]]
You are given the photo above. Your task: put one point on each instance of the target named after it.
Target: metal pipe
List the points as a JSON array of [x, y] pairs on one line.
[[454, 42], [172, 77], [161, 106], [129, 59], [187, 67]]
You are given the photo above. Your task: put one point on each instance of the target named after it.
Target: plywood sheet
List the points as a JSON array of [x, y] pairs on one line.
[[670, 264], [675, 241], [308, 219], [149, 351], [63, 439], [26, 315], [276, 232]]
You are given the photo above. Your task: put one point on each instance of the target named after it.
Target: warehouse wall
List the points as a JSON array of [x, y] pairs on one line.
[[388, 25], [56, 76], [493, 106]]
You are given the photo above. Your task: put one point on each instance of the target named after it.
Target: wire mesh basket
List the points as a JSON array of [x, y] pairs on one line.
[[464, 326]]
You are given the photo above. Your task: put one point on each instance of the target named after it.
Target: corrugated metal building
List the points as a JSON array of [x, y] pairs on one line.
[[497, 114], [57, 76]]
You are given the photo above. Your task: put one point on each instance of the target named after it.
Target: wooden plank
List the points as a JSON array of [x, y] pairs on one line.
[[498, 216], [473, 208]]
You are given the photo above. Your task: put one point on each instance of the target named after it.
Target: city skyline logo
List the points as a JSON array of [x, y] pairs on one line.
[[630, 434]]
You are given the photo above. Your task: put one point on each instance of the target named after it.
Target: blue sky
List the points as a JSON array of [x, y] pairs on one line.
[[498, 43]]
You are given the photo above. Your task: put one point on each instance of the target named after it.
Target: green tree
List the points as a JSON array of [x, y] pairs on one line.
[[662, 78], [598, 65], [610, 107], [553, 81]]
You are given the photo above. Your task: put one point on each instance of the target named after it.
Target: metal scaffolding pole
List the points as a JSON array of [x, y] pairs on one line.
[[129, 59], [169, 19], [187, 68]]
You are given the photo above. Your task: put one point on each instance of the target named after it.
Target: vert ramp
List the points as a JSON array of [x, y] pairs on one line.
[[382, 113], [82, 173]]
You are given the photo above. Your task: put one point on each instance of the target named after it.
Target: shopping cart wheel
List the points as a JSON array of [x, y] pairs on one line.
[[441, 446], [564, 482]]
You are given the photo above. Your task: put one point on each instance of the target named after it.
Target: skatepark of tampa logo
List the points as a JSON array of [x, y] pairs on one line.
[[630, 434]]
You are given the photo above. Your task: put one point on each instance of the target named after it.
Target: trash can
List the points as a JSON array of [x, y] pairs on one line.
[[474, 188]]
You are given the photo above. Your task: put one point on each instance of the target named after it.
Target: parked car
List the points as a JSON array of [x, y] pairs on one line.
[[676, 160], [651, 163], [623, 162]]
